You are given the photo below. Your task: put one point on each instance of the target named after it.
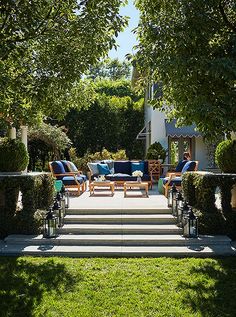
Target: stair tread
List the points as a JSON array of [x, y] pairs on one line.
[[115, 226], [118, 250], [121, 216]]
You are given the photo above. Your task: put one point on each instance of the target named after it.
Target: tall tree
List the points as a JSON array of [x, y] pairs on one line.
[[45, 47], [189, 47]]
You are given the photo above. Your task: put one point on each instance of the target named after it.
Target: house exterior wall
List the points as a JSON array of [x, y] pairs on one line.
[[158, 134]]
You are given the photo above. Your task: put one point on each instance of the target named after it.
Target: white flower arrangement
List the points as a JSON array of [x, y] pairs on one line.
[[101, 178], [137, 173]]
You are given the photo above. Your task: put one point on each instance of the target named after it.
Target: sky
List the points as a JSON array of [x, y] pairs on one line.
[[126, 40]]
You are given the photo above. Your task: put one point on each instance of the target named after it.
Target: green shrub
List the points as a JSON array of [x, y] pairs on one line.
[[37, 195], [81, 162], [156, 152], [199, 190], [225, 156], [13, 156]]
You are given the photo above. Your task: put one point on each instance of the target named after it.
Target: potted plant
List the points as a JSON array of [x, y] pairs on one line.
[[156, 152]]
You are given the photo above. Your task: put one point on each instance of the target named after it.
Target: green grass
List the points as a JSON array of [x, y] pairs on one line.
[[117, 287]]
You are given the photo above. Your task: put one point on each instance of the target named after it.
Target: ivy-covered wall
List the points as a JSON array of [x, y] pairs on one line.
[[37, 194], [199, 190]]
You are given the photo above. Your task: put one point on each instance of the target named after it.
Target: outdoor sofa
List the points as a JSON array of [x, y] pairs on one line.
[[121, 171]]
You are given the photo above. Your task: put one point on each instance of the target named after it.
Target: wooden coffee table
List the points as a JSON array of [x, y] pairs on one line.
[[105, 184], [139, 185]]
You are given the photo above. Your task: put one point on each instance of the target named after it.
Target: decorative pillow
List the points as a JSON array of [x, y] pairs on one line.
[[137, 167], [180, 165], [110, 164], [189, 166], [93, 167], [103, 169], [72, 167]]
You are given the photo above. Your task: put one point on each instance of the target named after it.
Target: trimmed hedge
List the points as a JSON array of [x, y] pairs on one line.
[[13, 156], [37, 194], [225, 156], [199, 190]]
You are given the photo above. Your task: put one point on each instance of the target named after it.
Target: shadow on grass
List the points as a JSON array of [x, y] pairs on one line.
[[23, 284], [212, 290]]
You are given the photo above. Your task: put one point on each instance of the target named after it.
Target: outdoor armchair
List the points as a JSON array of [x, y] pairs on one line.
[[71, 179]]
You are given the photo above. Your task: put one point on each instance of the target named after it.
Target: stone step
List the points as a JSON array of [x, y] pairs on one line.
[[117, 251], [121, 219], [119, 229], [111, 211], [117, 240]]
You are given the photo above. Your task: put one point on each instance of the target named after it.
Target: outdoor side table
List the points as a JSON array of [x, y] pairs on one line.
[[134, 185], [102, 185]]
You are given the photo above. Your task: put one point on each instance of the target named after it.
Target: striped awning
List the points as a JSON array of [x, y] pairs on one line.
[[186, 131]]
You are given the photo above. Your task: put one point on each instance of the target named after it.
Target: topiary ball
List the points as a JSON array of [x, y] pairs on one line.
[[13, 156], [225, 156]]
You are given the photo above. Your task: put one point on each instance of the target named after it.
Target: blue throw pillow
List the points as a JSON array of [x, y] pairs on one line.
[[180, 165], [103, 169], [137, 167], [189, 166]]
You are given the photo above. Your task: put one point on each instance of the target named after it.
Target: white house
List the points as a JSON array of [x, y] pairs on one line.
[[175, 140]]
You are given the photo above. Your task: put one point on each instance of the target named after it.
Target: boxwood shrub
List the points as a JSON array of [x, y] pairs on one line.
[[13, 156], [199, 190], [37, 194]]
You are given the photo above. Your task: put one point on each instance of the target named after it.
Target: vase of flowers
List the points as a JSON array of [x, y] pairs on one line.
[[138, 174]]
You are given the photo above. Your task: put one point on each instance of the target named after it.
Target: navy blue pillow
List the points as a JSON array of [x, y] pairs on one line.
[[189, 166], [123, 167], [180, 165], [103, 169], [137, 167]]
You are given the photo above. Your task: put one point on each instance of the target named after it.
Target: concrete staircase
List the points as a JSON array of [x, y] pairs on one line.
[[119, 233]]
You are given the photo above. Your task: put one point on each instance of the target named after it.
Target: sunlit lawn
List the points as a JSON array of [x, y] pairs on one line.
[[117, 287]]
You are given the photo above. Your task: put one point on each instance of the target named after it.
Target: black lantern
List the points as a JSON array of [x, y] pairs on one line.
[[65, 195], [49, 225], [191, 225], [59, 212], [179, 208], [171, 192], [174, 201]]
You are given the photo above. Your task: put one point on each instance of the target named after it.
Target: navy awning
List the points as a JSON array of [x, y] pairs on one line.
[[186, 131]]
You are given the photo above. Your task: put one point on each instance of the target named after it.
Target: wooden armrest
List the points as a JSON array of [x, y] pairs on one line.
[[171, 173]]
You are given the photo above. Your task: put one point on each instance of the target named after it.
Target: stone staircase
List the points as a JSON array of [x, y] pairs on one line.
[[129, 232]]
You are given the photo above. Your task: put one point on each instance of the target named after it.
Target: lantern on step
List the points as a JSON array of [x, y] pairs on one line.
[[65, 194], [58, 211], [191, 225], [183, 214], [49, 225], [174, 202], [172, 191], [179, 208]]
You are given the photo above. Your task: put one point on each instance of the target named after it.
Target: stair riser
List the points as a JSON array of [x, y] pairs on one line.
[[118, 231], [116, 211], [120, 221], [118, 242]]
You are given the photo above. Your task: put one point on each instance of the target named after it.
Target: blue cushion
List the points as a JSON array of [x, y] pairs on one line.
[[123, 167], [70, 180], [189, 166], [177, 181], [103, 169], [58, 167], [137, 167], [65, 164], [145, 167], [180, 165]]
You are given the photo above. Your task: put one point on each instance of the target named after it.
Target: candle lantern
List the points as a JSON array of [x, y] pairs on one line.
[[179, 208], [49, 225], [58, 212], [171, 191], [191, 225], [65, 194], [174, 201], [185, 212]]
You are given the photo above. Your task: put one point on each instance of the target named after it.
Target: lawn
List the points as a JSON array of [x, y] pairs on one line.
[[117, 287]]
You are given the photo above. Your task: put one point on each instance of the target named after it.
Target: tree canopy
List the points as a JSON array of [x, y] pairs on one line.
[[189, 48], [45, 47]]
